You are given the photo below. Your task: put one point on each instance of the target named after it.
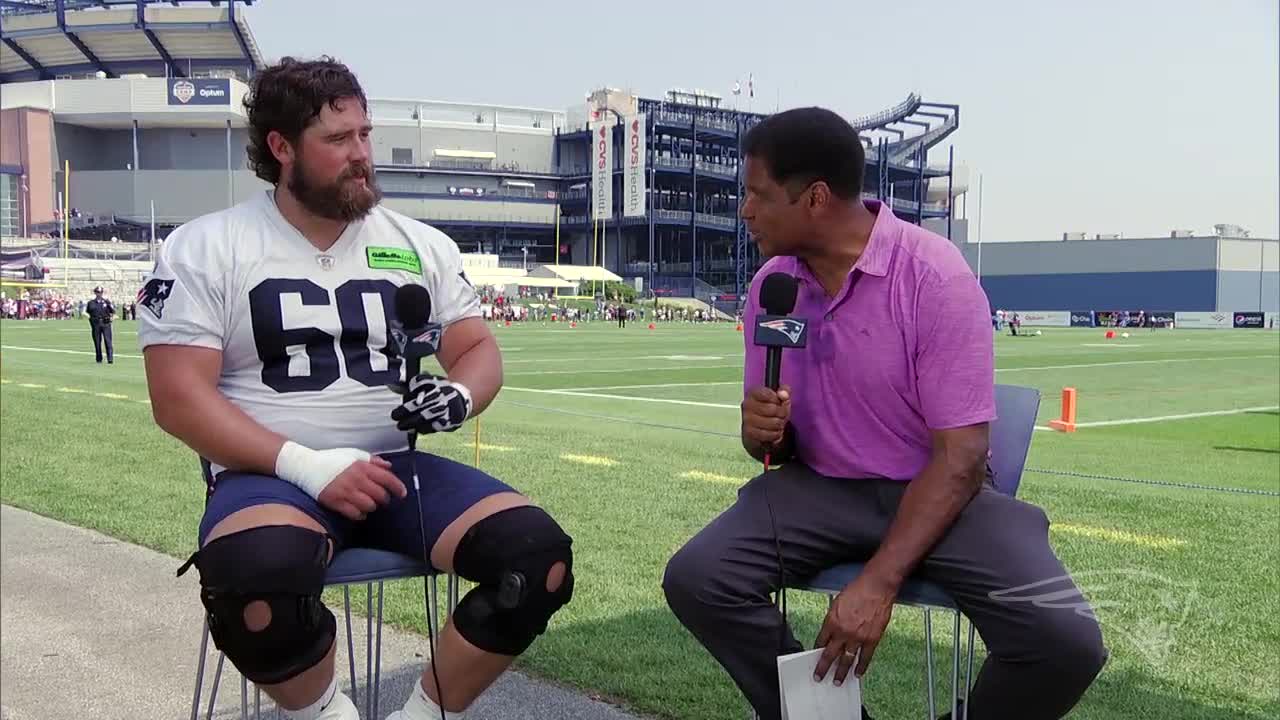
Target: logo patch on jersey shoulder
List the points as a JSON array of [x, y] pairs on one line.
[[153, 294], [385, 258]]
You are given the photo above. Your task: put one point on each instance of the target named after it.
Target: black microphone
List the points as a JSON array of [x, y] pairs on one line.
[[415, 336], [776, 329]]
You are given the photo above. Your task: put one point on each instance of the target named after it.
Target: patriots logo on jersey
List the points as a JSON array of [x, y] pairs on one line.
[[153, 295]]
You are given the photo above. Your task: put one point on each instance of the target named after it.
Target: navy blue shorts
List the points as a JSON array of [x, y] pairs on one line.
[[448, 489]]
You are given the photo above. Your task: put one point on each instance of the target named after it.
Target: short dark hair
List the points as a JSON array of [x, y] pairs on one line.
[[810, 144], [287, 97]]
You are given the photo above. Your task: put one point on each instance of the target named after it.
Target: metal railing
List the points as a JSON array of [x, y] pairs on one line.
[[430, 217], [728, 172], [671, 163], [884, 117]]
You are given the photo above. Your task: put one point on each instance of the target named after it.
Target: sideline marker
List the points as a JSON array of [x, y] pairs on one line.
[[1066, 423]]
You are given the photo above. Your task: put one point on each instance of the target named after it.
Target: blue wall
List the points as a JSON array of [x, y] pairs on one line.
[[1170, 290], [1238, 290]]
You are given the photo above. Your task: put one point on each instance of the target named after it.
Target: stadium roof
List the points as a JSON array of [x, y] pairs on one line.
[[54, 39]]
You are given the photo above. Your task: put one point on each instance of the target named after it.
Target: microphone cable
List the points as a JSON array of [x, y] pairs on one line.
[[777, 547], [427, 577]]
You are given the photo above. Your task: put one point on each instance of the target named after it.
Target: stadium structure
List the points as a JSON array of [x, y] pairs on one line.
[[141, 102], [123, 118]]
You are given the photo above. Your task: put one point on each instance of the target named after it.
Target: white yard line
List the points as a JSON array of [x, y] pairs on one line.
[[656, 385], [1181, 416], [581, 371], [622, 397], [64, 352], [1162, 418], [1135, 362], [605, 358]]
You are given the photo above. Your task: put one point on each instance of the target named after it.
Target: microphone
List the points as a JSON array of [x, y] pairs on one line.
[[415, 335], [417, 338], [775, 329]]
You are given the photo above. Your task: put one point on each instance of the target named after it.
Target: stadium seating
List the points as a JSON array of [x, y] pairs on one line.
[[1010, 440]]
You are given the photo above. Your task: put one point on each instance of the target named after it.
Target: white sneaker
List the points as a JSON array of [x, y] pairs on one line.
[[340, 708], [421, 707], [401, 715]]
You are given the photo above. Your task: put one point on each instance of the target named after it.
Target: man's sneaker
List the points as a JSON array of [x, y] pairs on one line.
[[339, 708]]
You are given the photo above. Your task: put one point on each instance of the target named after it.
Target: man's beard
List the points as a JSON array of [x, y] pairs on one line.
[[339, 200]]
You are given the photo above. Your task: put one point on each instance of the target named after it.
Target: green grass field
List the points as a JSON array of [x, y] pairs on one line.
[[629, 438]]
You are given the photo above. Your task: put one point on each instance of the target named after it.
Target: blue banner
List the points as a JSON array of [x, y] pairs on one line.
[[1081, 318], [199, 91], [1248, 320]]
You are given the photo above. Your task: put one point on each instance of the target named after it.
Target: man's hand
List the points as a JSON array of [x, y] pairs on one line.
[[853, 627], [765, 414], [362, 488], [433, 404]]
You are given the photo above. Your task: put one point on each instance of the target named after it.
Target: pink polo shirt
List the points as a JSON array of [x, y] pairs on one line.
[[905, 347]]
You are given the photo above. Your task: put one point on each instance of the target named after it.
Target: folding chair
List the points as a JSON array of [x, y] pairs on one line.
[[1011, 433], [353, 566]]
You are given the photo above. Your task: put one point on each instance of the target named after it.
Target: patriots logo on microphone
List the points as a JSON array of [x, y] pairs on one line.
[[430, 337], [781, 331], [424, 343], [790, 327]]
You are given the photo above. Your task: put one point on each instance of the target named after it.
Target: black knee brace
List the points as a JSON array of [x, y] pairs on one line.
[[510, 554], [283, 566]]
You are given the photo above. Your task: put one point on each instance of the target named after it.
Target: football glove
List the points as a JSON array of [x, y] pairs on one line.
[[433, 404]]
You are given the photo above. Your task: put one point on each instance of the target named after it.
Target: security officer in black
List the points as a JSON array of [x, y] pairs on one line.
[[101, 312]]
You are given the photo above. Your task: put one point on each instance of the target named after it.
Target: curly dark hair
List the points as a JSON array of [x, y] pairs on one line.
[[287, 97], [809, 144]]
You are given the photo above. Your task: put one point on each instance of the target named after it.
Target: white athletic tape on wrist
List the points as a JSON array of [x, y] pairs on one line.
[[466, 395], [313, 470]]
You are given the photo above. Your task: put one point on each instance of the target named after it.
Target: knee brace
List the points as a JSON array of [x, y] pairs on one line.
[[510, 555], [283, 566]]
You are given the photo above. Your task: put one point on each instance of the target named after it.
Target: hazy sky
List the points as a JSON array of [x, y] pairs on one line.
[[1125, 116]]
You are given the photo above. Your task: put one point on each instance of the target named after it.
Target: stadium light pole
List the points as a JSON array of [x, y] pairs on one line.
[[25, 194], [979, 228]]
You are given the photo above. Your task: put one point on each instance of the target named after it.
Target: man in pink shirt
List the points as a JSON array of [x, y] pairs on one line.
[[881, 426]]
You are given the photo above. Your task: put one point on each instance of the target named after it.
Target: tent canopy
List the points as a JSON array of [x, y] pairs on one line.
[[486, 278], [575, 273]]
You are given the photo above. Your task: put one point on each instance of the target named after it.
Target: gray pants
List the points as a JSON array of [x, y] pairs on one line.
[[1041, 660]]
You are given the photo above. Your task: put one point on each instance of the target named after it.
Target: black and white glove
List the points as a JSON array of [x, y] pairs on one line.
[[433, 404]]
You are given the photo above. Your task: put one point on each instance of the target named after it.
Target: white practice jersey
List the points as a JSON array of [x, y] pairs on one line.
[[304, 335]]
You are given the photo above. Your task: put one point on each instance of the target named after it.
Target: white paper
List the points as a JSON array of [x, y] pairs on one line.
[[805, 699]]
